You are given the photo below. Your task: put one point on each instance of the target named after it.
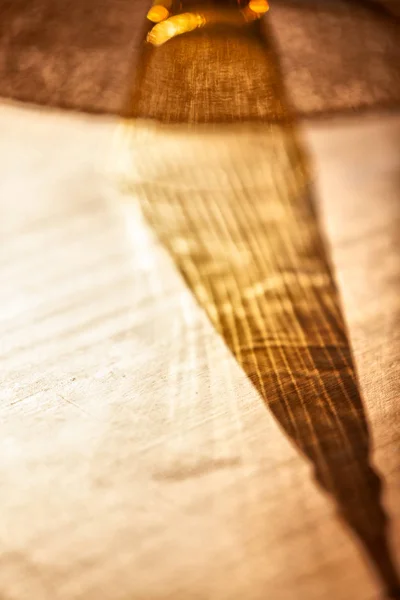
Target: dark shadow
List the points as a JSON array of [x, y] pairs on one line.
[[381, 8], [338, 56], [250, 250], [205, 93]]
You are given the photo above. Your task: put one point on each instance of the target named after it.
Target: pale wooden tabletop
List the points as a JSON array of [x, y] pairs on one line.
[[137, 461]]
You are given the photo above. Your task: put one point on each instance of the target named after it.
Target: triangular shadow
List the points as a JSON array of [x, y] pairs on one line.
[[234, 207]]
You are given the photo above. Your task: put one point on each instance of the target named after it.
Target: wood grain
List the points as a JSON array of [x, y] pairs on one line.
[[137, 460]]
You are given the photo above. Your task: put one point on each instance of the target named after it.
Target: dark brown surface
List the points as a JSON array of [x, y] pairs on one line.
[[338, 54], [335, 56], [69, 53]]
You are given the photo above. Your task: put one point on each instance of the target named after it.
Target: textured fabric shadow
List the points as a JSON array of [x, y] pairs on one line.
[[219, 75], [336, 55], [233, 206], [236, 216]]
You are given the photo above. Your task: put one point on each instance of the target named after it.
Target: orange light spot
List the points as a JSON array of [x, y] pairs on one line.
[[174, 26], [158, 13], [259, 6]]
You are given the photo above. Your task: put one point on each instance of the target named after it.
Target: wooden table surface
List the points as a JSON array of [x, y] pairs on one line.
[[137, 460]]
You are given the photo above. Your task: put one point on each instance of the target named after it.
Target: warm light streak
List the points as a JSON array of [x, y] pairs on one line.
[[259, 6], [162, 32], [158, 13]]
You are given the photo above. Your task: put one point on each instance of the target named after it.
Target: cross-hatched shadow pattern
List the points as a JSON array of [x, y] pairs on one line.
[[233, 208]]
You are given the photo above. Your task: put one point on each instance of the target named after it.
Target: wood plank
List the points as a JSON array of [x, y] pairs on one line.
[[135, 455]]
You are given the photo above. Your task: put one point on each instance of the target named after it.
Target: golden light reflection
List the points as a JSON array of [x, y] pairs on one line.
[[158, 13], [168, 28], [259, 7], [162, 32]]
